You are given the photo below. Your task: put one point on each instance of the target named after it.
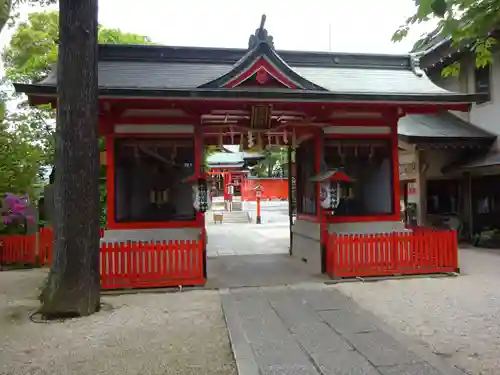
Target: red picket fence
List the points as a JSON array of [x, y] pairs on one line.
[[399, 253], [17, 249], [123, 264], [145, 265]]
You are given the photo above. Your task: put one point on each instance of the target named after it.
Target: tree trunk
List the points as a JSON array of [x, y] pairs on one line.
[[73, 287], [5, 8]]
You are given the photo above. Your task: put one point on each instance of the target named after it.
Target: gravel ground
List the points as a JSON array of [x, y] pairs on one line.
[[146, 334], [457, 317]]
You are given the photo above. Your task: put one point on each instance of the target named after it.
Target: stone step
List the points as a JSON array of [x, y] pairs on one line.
[[231, 217]]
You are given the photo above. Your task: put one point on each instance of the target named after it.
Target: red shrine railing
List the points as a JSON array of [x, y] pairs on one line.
[[425, 251], [17, 249], [122, 264], [146, 265]]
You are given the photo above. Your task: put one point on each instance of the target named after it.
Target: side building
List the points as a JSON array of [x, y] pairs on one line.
[[450, 162]]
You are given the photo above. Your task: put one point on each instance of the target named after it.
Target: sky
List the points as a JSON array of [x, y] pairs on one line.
[[312, 25]]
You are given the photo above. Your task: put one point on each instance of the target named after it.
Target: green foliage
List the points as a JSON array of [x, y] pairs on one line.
[[451, 70], [2, 111], [272, 165], [8, 6], [33, 48], [465, 21], [116, 36], [27, 133], [20, 158]]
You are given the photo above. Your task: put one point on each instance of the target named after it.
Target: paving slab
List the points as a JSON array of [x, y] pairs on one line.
[[247, 239], [455, 317], [275, 350], [413, 369], [348, 323], [312, 329], [257, 270], [381, 349]]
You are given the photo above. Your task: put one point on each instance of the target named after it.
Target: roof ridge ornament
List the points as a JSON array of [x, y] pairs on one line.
[[261, 36], [415, 64]]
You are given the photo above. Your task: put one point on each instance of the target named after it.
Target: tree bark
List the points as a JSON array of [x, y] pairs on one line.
[[73, 288], [5, 9]]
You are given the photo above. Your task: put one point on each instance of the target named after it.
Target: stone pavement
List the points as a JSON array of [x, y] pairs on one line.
[[243, 255], [247, 239], [258, 270], [312, 329]]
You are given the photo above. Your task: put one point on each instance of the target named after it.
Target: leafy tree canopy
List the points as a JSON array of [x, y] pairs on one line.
[[464, 21], [20, 159], [33, 48], [27, 133], [272, 164], [7, 6]]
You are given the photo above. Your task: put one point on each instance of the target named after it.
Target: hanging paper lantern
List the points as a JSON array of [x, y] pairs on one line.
[[201, 196], [329, 195], [324, 195], [335, 195]]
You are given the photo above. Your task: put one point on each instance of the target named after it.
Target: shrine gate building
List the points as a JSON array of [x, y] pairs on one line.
[[160, 106]]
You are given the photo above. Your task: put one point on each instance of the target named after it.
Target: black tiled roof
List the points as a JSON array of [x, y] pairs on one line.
[[194, 72], [491, 159], [157, 75], [442, 126], [229, 56]]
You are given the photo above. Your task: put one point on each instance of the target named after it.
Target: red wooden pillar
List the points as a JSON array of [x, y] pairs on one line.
[[242, 186], [110, 179], [228, 178], [199, 151], [395, 167], [320, 213]]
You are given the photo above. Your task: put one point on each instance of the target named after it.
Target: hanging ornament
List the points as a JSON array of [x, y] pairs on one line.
[[242, 140], [231, 134], [285, 137], [250, 139], [294, 139], [221, 140]]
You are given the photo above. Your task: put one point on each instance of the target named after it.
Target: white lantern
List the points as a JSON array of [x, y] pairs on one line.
[[199, 204], [329, 195], [324, 195]]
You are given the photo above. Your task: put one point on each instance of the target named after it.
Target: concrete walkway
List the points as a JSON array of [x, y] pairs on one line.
[[315, 330], [284, 320], [247, 239], [244, 255]]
